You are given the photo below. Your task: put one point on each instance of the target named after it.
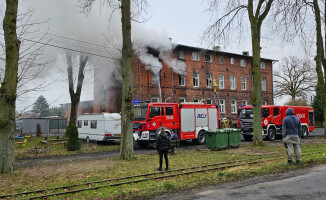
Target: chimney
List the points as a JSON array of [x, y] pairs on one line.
[[217, 48], [245, 53]]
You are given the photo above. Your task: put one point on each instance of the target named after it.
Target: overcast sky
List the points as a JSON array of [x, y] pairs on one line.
[[182, 20]]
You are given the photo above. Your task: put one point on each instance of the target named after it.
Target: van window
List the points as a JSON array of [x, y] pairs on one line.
[[85, 122], [154, 111], [162, 111], [79, 123], [265, 112], [276, 111], [93, 124], [169, 110]]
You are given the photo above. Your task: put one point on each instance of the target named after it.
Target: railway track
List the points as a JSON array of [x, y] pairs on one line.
[[94, 185]]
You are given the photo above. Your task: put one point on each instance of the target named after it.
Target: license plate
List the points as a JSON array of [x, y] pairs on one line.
[[118, 135]]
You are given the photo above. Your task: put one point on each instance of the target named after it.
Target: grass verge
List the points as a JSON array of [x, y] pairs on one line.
[[26, 180]]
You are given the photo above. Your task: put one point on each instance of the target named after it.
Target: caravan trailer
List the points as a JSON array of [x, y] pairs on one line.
[[99, 127]]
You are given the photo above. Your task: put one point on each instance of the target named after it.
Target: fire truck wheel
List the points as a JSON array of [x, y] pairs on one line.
[[304, 132], [201, 137], [271, 135], [142, 144], [247, 137]]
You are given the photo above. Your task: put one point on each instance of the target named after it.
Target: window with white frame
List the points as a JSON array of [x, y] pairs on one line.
[[196, 79], [208, 80], [208, 58], [222, 106], [262, 65], [263, 84], [232, 61], [232, 82], [182, 99], [242, 62], [264, 103], [233, 106], [196, 100], [221, 81], [243, 83], [208, 101], [181, 54], [195, 56], [182, 80], [244, 102], [155, 99], [221, 59]]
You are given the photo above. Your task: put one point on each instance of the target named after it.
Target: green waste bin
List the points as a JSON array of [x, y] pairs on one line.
[[234, 136], [216, 139]]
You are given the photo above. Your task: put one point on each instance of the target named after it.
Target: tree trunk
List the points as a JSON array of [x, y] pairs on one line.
[[256, 97], [320, 59], [127, 115], [73, 109], [8, 89]]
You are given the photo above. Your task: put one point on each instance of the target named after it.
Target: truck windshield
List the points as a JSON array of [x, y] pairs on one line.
[[245, 113], [140, 113]]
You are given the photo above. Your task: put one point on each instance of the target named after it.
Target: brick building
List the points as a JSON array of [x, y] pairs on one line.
[[232, 73]]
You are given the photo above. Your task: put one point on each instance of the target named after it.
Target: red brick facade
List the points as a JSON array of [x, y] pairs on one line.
[[172, 91]]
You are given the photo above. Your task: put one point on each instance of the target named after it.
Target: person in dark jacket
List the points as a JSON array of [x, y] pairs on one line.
[[291, 136], [174, 141], [163, 147]]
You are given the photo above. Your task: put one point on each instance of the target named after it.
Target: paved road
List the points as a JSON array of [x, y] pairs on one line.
[[300, 184]]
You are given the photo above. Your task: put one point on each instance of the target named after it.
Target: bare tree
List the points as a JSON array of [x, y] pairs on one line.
[[231, 18], [296, 78], [75, 83], [8, 89], [130, 10]]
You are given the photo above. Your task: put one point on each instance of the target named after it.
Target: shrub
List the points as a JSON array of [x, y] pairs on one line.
[[72, 133]]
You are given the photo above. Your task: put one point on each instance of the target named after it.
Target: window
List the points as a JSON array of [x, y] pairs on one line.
[[265, 112], [155, 99], [182, 99], [233, 106], [169, 110], [232, 61], [162, 111], [196, 79], [232, 82], [243, 83], [208, 58], [242, 62], [195, 56], [220, 59], [196, 100], [93, 124], [221, 81], [79, 123], [263, 84], [182, 80], [264, 103], [85, 122], [181, 54], [154, 111], [209, 80], [276, 111], [244, 102], [208, 101], [222, 106], [262, 65], [156, 78]]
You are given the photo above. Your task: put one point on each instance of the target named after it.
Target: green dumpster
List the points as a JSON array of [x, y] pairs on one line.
[[234, 136], [216, 139]]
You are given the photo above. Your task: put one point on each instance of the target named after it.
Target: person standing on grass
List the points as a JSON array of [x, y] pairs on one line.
[[174, 138], [290, 132], [163, 147]]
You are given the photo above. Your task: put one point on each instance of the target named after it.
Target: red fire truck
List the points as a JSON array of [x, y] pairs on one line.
[[188, 120], [272, 120]]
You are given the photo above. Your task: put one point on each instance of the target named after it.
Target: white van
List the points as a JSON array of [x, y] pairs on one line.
[[99, 127]]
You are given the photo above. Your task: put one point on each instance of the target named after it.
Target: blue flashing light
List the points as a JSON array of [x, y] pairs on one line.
[[136, 101]]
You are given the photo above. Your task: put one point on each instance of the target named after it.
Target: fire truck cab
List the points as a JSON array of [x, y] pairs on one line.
[[272, 120], [188, 120]]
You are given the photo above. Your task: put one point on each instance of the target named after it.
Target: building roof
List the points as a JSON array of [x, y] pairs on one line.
[[218, 51]]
